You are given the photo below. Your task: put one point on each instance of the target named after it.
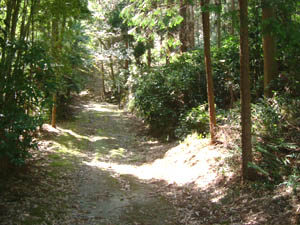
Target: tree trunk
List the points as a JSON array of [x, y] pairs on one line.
[[55, 46], [232, 17], [102, 91], [248, 173], [187, 30], [15, 19], [112, 73], [269, 48], [13, 27], [218, 4], [126, 67], [149, 57], [53, 115], [209, 80]]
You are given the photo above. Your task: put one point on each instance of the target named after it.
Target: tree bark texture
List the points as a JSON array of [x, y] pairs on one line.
[[232, 17], [187, 30], [102, 89], [269, 49], [55, 47], [126, 66], [53, 115], [112, 72], [209, 80], [219, 5], [245, 93]]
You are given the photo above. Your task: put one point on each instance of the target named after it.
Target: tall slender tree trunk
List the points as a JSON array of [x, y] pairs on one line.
[[269, 48], [15, 19], [149, 57], [102, 91], [53, 114], [112, 72], [55, 44], [232, 17], [149, 52], [13, 27], [187, 30], [233, 8], [248, 173], [219, 5], [209, 80], [5, 38], [126, 67]]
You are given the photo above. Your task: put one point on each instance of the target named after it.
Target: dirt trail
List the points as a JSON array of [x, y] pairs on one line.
[[106, 134], [96, 169], [103, 133]]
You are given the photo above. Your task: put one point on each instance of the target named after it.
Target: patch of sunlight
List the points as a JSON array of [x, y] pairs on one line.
[[192, 161], [84, 93], [62, 149], [101, 107], [98, 138], [50, 129], [121, 169], [120, 152], [66, 132]]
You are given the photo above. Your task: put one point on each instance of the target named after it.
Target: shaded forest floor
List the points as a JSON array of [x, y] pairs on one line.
[[101, 167]]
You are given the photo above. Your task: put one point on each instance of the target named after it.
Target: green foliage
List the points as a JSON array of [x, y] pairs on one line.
[[16, 135], [275, 128], [115, 19], [70, 75], [139, 50], [293, 180], [194, 120], [164, 94], [22, 96], [276, 119], [226, 72]]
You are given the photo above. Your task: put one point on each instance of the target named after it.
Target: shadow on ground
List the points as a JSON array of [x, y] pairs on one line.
[[61, 187], [85, 174]]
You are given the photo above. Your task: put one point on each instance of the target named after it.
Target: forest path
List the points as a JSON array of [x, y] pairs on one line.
[[84, 148], [97, 168]]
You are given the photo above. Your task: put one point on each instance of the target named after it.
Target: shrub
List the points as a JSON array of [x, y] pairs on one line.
[[226, 73], [21, 102], [165, 93], [16, 135], [194, 120], [275, 130]]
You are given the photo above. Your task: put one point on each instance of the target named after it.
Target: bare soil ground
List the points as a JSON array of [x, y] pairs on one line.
[[100, 168]]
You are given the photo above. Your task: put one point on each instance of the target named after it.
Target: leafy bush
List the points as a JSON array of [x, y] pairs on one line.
[[226, 73], [165, 93], [16, 135], [275, 129], [194, 120], [276, 122], [21, 102]]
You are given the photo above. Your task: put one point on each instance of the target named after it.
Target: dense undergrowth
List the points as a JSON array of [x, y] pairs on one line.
[[169, 87], [171, 99]]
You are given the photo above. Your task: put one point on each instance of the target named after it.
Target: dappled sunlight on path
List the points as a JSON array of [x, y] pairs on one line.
[[188, 162], [113, 146], [181, 165], [102, 134], [125, 166], [99, 168]]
